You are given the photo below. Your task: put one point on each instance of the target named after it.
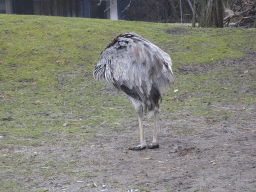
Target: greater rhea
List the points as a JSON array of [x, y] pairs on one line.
[[141, 70]]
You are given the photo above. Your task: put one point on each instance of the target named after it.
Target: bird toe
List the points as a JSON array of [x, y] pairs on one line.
[[137, 148], [153, 145]]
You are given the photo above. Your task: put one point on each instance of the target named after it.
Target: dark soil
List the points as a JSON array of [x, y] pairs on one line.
[[218, 156]]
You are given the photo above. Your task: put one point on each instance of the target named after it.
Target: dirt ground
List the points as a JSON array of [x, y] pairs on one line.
[[218, 155]]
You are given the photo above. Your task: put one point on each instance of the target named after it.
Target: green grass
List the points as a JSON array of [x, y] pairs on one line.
[[48, 93], [46, 72]]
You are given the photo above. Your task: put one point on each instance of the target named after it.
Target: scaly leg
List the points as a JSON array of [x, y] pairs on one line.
[[142, 138], [154, 143], [139, 110]]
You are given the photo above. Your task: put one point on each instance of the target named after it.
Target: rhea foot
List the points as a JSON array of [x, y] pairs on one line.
[[138, 147], [153, 145]]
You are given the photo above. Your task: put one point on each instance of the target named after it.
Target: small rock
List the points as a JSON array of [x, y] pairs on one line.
[[65, 124], [93, 185]]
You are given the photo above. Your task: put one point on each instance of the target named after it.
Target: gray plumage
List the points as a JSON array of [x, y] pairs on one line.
[[137, 67]]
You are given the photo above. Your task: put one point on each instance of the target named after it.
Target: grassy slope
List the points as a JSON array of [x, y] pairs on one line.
[[46, 78]]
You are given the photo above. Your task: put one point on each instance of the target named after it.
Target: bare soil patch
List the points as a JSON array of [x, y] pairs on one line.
[[218, 156]]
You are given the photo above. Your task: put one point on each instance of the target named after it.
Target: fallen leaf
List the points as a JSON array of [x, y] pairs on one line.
[[6, 95]]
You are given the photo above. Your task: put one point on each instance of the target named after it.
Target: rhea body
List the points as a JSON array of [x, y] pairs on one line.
[[141, 70]]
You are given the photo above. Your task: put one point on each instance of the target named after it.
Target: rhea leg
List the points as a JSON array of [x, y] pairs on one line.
[[139, 110], [154, 143]]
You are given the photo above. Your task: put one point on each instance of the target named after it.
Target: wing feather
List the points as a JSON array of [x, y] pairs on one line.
[[137, 67]]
